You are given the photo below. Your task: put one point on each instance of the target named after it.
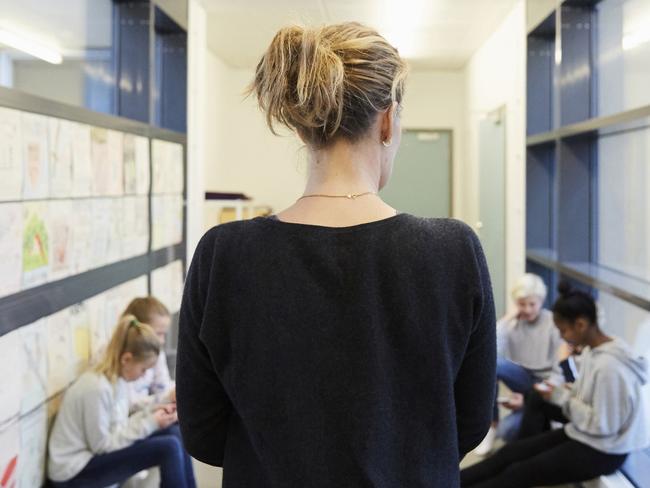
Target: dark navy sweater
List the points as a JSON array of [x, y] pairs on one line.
[[313, 356]]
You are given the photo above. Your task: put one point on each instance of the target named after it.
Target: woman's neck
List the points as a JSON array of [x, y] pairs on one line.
[[342, 169], [596, 337]]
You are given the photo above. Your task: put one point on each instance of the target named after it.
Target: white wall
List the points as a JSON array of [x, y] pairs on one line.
[[199, 105], [243, 156], [495, 76], [436, 100]]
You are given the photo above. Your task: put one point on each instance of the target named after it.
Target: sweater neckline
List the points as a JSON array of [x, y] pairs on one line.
[[274, 220]]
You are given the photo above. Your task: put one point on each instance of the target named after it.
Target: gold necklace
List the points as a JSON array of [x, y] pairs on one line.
[[349, 196]]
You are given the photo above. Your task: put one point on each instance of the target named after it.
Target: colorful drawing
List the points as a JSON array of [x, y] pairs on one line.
[[61, 136], [10, 348], [60, 366], [83, 241], [82, 169], [167, 220], [9, 452], [167, 285], [115, 147], [33, 367], [11, 158], [11, 247], [33, 447], [61, 238], [99, 160], [167, 166], [36, 245], [80, 332], [35, 156], [135, 226]]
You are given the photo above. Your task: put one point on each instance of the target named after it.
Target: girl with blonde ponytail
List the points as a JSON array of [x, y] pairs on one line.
[[95, 442]]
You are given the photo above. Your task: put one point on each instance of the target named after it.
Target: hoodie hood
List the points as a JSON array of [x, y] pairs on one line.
[[621, 351]]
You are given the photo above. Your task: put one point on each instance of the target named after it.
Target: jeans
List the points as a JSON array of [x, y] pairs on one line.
[[517, 378], [547, 459], [163, 449]]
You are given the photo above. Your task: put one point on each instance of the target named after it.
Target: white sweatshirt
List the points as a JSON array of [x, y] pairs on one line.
[[605, 405], [93, 419], [533, 345]]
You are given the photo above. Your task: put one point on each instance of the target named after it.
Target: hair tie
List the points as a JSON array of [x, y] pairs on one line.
[[134, 323]]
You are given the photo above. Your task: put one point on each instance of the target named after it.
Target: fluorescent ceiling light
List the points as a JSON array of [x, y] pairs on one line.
[[30, 46], [402, 23]]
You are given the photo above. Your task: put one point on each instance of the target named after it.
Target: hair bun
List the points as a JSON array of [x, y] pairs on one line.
[[564, 288]]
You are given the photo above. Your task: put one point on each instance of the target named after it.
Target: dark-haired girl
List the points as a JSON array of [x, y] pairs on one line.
[[603, 410]]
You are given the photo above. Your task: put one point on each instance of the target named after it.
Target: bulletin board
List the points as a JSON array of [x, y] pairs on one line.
[[92, 214]]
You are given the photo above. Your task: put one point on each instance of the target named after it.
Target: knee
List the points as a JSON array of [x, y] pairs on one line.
[[168, 445]]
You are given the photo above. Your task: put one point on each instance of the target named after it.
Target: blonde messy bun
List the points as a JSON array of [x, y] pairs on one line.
[[329, 81]]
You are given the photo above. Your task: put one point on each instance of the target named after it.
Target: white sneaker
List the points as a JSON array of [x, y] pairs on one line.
[[487, 444]]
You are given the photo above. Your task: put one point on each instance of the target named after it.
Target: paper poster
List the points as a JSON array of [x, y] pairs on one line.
[[60, 370], [33, 448], [167, 166], [135, 226], [61, 137], [167, 285], [136, 165], [11, 247], [115, 141], [83, 239], [115, 244], [35, 156], [80, 333], [82, 169], [9, 452], [96, 307], [101, 166], [167, 220], [11, 157], [10, 349], [62, 222], [33, 370], [36, 244], [101, 233]]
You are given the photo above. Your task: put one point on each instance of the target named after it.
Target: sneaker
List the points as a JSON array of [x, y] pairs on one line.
[[487, 444]]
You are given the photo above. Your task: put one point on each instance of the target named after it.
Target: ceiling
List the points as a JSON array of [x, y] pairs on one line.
[[431, 34]]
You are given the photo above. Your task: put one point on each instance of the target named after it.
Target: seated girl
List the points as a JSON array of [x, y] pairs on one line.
[[527, 346], [603, 410], [95, 442]]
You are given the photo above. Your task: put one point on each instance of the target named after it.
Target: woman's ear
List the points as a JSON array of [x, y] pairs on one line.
[[581, 324], [387, 121]]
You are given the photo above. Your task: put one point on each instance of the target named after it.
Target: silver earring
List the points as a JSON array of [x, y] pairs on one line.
[[387, 143]]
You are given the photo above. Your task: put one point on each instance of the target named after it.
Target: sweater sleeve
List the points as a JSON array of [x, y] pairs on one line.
[[610, 407], [474, 389], [102, 437], [203, 406]]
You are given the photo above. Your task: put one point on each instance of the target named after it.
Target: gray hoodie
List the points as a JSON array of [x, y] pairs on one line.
[[605, 406]]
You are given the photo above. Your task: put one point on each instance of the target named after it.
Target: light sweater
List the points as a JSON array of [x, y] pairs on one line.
[[533, 345], [154, 387], [605, 405], [93, 419]]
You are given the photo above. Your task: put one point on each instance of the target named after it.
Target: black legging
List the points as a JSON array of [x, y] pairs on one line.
[[537, 416], [547, 459]]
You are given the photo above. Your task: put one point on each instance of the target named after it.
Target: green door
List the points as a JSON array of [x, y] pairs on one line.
[[492, 200], [421, 180]]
